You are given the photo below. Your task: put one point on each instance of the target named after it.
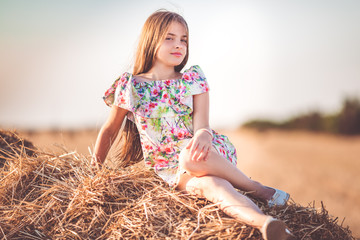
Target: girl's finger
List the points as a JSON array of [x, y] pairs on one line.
[[197, 153], [206, 154], [194, 156], [193, 150], [189, 144], [200, 154]]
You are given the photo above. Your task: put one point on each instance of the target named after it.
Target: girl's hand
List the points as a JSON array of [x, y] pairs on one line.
[[200, 146]]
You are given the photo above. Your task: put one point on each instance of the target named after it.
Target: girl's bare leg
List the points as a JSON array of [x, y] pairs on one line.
[[219, 190], [218, 166]]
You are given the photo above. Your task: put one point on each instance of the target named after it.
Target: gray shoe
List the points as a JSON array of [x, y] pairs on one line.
[[279, 198]]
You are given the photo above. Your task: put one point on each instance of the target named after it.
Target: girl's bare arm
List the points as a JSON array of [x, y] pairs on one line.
[[108, 133], [201, 111], [201, 141]]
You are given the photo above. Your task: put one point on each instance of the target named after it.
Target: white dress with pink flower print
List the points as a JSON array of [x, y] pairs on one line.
[[162, 111]]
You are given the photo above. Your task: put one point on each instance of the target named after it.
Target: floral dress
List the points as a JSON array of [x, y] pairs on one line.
[[163, 113]]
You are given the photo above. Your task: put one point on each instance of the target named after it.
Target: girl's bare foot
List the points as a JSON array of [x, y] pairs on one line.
[[274, 229]]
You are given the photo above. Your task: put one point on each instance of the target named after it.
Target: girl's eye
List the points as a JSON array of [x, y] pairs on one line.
[[183, 40], [168, 38]]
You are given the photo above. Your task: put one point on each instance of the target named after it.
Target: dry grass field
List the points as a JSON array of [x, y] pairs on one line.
[[311, 167]]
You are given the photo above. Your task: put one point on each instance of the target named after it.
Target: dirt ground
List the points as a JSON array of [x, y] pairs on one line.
[[311, 167]]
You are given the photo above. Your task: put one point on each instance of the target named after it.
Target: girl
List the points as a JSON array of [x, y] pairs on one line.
[[169, 116]]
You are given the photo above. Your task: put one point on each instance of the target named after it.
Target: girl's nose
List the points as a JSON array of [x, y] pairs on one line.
[[178, 44]]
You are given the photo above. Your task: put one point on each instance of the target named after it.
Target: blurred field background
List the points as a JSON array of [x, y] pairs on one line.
[[284, 79]]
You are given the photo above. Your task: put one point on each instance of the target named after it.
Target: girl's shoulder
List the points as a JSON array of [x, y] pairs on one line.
[[192, 73], [194, 76], [194, 69], [144, 77]]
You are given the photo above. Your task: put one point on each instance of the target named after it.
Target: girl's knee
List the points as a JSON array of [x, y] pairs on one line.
[[183, 158], [185, 162]]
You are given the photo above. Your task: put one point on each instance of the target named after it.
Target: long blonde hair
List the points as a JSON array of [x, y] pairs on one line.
[[152, 35]]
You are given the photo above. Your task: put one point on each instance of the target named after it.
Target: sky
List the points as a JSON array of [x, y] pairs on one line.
[[262, 58]]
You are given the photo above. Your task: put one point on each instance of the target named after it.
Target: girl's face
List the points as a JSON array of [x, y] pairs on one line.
[[172, 50]]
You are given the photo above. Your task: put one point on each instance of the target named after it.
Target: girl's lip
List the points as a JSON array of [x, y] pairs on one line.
[[177, 54]]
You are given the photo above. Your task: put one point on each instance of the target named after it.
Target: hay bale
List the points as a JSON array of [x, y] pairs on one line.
[[52, 196], [11, 145]]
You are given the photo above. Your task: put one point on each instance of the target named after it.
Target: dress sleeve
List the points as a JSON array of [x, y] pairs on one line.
[[196, 80], [121, 93]]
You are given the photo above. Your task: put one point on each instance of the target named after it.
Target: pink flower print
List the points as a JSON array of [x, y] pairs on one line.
[[169, 150], [165, 96], [122, 100], [158, 149], [168, 139], [160, 163], [181, 134], [170, 102], [167, 82], [152, 105], [155, 92], [148, 147], [109, 91], [122, 82], [222, 151], [144, 126], [204, 86], [182, 90], [187, 77], [194, 75]]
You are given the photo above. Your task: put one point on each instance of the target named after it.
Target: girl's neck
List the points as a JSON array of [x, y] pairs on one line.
[[161, 72]]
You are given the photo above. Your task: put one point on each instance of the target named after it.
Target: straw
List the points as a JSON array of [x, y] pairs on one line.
[[59, 196]]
